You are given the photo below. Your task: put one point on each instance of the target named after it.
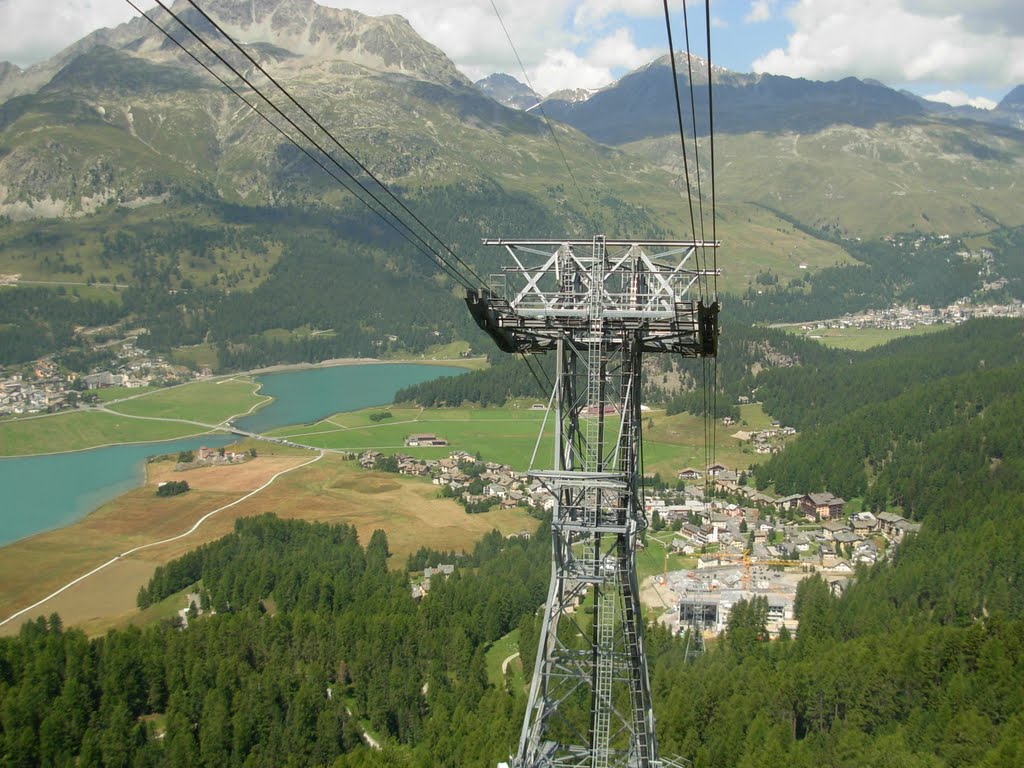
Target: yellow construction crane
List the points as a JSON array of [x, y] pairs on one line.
[[745, 560]]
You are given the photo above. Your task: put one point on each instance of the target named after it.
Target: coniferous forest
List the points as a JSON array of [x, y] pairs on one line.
[[305, 637]]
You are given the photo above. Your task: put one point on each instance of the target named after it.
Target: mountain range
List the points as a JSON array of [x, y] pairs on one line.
[[632, 107], [121, 137]]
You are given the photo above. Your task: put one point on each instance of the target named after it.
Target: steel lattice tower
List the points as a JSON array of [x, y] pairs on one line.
[[599, 305]]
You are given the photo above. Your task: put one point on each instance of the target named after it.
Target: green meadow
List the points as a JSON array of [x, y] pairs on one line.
[[209, 402], [859, 339], [77, 430], [149, 414], [509, 435]]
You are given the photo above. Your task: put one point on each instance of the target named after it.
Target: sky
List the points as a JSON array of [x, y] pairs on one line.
[[954, 51]]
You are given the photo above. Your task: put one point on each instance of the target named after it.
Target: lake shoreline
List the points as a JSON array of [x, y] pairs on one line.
[[118, 465], [456, 362], [115, 532], [200, 433]]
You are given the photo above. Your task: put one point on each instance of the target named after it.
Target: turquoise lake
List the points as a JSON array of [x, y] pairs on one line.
[[45, 492], [311, 394]]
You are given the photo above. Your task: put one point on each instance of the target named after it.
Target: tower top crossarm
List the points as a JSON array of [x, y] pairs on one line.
[[641, 287]]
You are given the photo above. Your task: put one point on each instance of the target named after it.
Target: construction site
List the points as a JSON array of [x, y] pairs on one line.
[[705, 597]]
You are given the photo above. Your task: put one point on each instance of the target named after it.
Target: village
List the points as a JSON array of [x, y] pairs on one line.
[[749, 544], [908, 317], [44, 386], [743, 543], [465, 478]]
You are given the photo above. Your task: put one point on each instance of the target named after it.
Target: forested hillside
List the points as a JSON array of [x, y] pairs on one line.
[[919, 663], [903, 269], [509, 376], [825, 390], [743, 351], [308, 626], [34, 319], [266, 284]]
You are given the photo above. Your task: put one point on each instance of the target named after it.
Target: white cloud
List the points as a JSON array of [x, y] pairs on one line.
[[760, 10], [960, 99], [986, 16], [886, 40], [31, 31], [596, 11], [564, 69], [619, 50]]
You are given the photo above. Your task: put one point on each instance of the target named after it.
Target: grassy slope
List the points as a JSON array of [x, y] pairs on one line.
[[500, 650], [108, 394], [892, 178], [657, 557]]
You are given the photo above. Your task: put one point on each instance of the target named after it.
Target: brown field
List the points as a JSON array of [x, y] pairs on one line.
[[330, 490], [240, 478]]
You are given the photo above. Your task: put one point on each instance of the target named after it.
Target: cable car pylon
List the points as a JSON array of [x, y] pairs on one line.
[[598, 305]]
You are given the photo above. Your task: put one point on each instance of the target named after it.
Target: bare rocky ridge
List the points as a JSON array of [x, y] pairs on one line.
[[506, 90], [372, 78], [1012, 106]]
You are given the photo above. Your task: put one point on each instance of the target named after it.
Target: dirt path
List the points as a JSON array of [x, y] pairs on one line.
[[151, 544], [507, 661], [371, 742]]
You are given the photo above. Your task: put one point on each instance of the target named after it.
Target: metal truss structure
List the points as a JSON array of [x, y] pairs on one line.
[[599, 305], [694, 641]]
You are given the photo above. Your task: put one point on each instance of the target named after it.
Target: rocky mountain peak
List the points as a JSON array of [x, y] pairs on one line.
[[696, 63], [1013, 101], [572, 95], [318, 35], [295, 34], [506, 90]]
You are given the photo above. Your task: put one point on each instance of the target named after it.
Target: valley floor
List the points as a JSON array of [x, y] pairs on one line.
[[330, 490]]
